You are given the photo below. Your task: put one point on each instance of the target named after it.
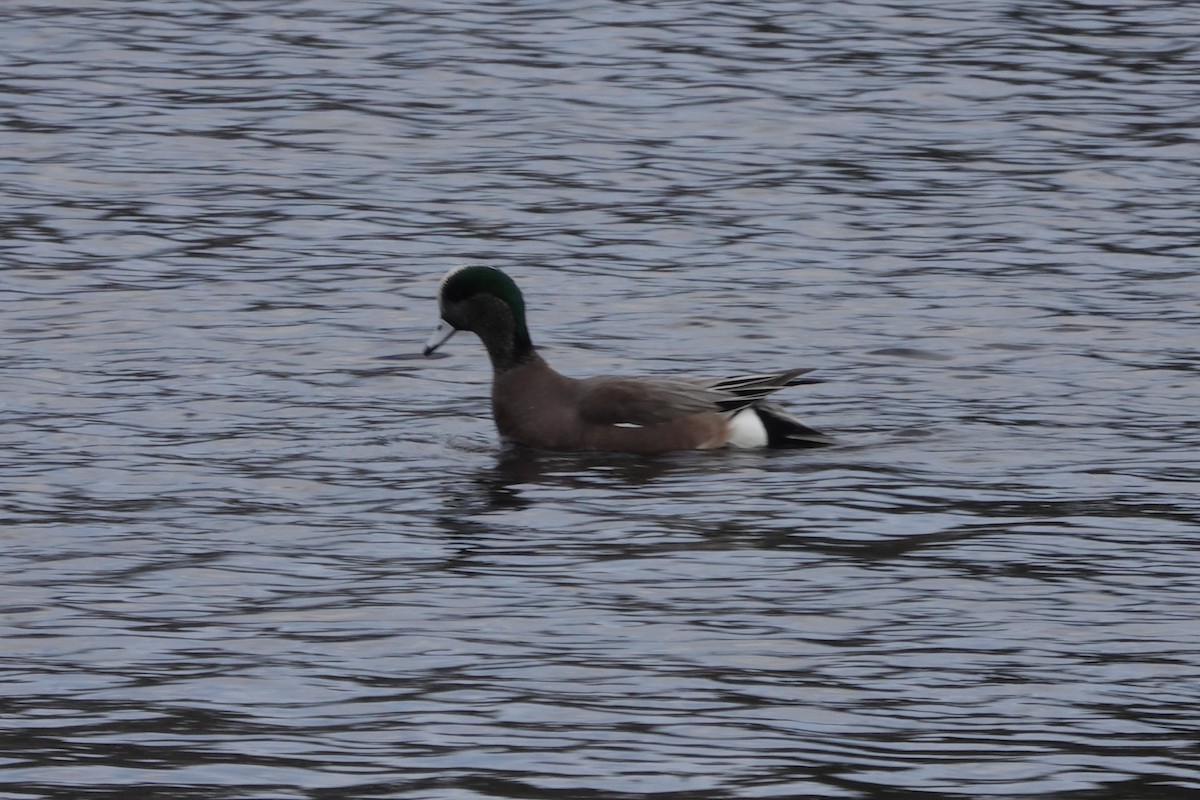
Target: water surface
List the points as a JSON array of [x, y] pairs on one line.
[[254, 546]]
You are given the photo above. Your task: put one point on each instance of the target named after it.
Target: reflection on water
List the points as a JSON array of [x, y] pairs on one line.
[[254, 546]]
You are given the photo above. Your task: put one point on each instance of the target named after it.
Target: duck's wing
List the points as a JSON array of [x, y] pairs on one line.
[[748, 389], [650, 401]]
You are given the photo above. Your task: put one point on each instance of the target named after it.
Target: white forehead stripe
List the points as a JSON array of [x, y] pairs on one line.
[[454, 271]]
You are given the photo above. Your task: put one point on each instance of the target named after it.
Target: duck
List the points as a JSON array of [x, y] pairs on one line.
[[537, 407]]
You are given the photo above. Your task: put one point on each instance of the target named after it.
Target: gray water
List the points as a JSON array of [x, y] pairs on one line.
[[254, 546]]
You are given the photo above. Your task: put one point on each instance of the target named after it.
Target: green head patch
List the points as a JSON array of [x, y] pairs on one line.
[[461, 285]]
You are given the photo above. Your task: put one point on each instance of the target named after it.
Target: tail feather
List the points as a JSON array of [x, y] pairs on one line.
[[784, 430]]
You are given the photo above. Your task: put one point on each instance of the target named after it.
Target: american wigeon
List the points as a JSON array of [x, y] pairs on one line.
[[535, 406]]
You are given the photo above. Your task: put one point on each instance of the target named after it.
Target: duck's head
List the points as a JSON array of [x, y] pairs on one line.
[[485, 301]]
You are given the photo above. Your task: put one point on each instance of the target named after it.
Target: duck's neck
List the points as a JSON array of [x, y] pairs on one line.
[[510, 350]]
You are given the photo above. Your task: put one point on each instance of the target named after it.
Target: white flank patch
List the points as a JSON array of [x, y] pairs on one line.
[[747, 430]]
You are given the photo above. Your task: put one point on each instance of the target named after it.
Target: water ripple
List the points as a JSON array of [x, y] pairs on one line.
[[255, 546]]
